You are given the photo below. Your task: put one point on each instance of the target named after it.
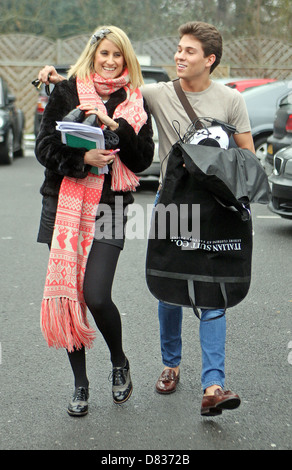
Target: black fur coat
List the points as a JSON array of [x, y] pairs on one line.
[[136, 151]]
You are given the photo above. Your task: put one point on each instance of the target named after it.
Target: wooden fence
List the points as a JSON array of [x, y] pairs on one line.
[[21, 57]]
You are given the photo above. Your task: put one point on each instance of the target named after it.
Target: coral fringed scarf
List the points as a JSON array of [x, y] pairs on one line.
[[63, 312], [64, 322]]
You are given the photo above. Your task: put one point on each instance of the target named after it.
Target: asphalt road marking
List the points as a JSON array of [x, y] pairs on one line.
[[268, 217]]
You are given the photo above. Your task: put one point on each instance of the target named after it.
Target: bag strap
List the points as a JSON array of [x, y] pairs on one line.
[[197, 311], [184, 101]]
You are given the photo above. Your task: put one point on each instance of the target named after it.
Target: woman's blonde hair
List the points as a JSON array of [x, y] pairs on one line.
[[84, 66]]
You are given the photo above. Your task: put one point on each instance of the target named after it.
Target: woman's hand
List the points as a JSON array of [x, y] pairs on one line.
[[99, 157], [102, 117], [49, 74]]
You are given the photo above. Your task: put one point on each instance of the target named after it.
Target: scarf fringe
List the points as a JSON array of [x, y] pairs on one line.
[[123, 179], [64, 324]]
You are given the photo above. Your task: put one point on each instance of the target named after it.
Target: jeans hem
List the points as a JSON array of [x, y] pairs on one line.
[[171, 365], [213, 382]]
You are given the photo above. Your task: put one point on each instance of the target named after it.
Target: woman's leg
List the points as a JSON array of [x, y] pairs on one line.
[[97, 288], [99, 275], [100, 270], [78, 363]]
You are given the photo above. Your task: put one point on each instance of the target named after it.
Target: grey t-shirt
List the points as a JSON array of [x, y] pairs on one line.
[[217, 101]]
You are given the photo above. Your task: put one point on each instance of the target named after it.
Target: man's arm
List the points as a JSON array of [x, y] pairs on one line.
[[244, 141]]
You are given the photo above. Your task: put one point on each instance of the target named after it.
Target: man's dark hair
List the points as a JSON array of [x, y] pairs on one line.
[[209, 37]]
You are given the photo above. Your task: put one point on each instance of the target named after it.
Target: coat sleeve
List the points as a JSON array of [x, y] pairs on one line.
[[49, 149], [137, 150]]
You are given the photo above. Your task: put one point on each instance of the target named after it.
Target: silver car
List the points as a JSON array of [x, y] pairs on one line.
[[262, 103]]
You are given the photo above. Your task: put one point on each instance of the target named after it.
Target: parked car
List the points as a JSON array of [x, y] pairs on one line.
[[150, 75], [281, 184], [282, 132], [262, 103], [11, 126], [245, 83]]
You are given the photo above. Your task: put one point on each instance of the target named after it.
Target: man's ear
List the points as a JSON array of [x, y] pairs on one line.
[[211, 60]]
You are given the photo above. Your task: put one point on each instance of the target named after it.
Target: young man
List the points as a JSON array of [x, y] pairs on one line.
[[198, 54]]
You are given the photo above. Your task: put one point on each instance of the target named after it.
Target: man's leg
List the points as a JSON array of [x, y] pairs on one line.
[[213, 337], [170, 320]]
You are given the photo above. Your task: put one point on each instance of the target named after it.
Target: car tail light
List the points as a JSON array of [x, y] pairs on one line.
[[41, 104], [289, 123]]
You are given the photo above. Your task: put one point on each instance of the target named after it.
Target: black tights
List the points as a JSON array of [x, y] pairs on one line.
[[99, 274]]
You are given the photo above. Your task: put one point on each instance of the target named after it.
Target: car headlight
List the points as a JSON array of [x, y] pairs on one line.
[[288, 167], [1, 121]]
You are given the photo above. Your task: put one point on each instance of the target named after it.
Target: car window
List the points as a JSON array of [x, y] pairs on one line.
[[4, 93], [155, 130], [149, 80], [286, 100], [1, 94]]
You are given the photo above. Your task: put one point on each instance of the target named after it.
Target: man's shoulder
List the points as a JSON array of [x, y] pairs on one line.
[[226, 90], [157, 87]]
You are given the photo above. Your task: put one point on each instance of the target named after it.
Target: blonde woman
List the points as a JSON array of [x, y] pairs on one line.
[[103, 82]]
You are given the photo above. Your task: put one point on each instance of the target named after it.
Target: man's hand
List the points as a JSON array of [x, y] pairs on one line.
[[102, 117], [48, 75]]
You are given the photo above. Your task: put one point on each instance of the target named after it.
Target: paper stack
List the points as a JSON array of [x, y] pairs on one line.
[[76, 134]]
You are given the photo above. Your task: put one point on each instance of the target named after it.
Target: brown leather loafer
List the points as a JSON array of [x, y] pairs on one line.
[[212, 405], [167, 382]]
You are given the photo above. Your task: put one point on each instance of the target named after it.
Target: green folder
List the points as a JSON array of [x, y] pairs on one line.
[[80, 142]]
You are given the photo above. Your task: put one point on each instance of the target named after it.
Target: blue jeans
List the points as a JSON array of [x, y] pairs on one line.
[[212, 337]]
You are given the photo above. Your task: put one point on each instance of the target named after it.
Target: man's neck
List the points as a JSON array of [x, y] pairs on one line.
[[195, 85]]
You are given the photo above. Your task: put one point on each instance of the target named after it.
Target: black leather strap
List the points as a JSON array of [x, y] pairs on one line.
[[184, 101]]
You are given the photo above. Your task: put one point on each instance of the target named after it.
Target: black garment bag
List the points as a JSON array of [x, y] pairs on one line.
[[199, 250]]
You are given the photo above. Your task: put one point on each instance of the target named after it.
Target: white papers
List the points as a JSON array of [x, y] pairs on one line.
[[76, 134], [82, 131]]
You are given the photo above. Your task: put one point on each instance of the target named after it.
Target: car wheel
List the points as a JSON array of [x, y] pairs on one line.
[[20, 151], [6, 150], [261, 148]]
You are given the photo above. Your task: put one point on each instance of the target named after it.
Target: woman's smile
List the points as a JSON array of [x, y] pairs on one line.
[[109, 61]]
